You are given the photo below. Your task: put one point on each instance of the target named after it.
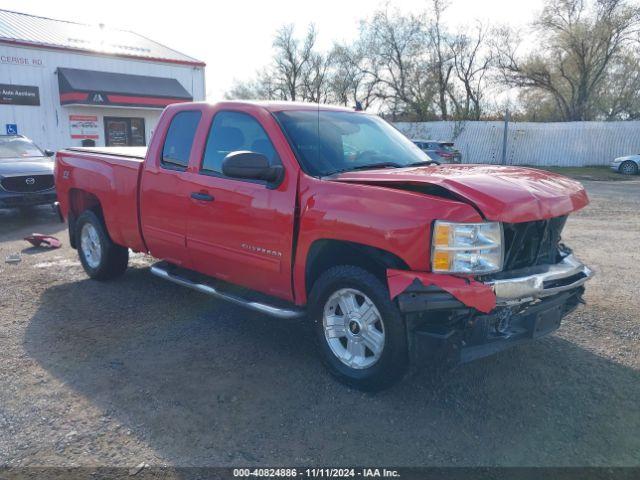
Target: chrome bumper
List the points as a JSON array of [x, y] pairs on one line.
[[512, 291]]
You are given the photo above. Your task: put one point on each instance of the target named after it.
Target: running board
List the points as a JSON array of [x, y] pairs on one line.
[[209, 290]]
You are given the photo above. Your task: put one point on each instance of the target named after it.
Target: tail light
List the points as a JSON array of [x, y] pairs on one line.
[[444, 154]]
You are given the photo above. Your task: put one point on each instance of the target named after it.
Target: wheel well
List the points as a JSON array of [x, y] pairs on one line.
[[79, 201], [325, 254]]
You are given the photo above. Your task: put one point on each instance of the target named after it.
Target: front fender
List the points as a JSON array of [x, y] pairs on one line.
[[395, 221]]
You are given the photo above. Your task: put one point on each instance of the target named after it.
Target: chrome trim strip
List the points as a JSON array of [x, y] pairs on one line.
[[517, 290], [209, 290]]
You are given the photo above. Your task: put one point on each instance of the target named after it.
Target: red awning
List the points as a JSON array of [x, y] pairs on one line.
[[87, 87]]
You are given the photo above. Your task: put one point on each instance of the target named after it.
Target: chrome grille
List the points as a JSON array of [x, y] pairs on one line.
[[532, 243]]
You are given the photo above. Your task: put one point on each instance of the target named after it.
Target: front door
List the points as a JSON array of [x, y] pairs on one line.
[[124, 132], [241, 231]]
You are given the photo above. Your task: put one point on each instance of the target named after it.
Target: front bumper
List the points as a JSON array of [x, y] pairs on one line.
[[529, 303], [615, 165], [11, 199], [532, 283], [464, 336]]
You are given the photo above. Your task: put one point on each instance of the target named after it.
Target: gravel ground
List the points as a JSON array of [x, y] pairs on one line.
[[140, 370]]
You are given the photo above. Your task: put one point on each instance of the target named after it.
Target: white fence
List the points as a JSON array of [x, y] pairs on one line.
[[542, 144]]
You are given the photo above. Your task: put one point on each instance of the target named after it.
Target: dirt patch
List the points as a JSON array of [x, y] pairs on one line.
[[596, 174]]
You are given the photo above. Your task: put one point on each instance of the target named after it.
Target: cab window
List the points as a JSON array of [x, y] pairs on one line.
[[179, 139], [232, 132]]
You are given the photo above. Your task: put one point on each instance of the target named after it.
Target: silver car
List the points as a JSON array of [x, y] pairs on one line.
[[442, 152], [628, 165]]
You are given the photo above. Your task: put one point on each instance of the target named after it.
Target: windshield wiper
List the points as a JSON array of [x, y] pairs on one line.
[[371, 166], [423, 163]]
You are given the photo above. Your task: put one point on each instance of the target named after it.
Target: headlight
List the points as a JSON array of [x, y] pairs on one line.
[[472, 248]]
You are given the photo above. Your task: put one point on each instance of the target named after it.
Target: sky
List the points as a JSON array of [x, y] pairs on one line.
[[234, 37]]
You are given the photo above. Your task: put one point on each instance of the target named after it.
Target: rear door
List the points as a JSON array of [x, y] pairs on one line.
[[165, 190], [241, 231]]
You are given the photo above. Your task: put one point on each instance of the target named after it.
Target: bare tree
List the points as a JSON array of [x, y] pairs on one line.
[[472, 60], [353, 79], [263, 87], [291, 59], [315, 78], [398, 63], [580, 42], [585, 65], [441, 56], [619, 97]]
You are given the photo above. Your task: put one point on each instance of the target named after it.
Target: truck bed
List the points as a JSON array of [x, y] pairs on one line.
[[111, 175]]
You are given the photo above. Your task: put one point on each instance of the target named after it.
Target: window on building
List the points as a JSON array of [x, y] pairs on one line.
[[179, 139], [232, 132], [124, 132]]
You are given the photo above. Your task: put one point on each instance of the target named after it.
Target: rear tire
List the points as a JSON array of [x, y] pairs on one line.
[[359, 330], [100, 257], [628, 168]]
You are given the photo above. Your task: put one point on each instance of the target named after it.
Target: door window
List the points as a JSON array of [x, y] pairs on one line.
[[179, 139], [124, 132], [232, 132]]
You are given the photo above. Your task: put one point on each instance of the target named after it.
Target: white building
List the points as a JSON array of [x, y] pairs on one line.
[[67, 84]]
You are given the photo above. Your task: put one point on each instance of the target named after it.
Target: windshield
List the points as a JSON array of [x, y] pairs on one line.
[[329, 142], [18, 147]]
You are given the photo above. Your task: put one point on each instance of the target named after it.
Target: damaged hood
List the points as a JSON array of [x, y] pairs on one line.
[[505, 194]]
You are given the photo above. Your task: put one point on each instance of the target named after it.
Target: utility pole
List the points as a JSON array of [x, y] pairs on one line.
[[507, 115]]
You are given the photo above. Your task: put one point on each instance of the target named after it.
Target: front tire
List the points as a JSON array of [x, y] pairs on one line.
[[360, 332], [628, 168], [100, 257]]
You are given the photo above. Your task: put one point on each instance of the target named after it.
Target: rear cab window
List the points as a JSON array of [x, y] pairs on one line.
[[179, 140]]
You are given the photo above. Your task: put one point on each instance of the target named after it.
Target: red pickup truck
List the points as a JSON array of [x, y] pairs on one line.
[[301, 211]]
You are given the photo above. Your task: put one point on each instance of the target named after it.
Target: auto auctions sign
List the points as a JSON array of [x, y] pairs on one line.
[[19, 95], [84, 126]]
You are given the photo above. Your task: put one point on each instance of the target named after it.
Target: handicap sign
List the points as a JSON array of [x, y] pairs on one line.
[[12, 128]]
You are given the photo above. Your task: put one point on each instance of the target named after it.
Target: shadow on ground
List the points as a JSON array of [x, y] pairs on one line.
[[14, 222], [206, 383]]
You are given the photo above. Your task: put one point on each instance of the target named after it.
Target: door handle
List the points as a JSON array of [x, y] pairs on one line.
[[203, 197]]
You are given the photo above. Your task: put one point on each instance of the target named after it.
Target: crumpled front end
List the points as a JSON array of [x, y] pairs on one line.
[[464, 318]]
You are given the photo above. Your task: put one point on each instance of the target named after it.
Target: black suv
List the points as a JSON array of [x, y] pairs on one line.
[[26, 173]]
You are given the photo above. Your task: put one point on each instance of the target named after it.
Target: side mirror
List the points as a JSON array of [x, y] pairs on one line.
[[49, 153], [250, 165]]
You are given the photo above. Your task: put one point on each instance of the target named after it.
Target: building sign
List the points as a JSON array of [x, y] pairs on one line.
[[97, 98], [11, 128], [19, 95], [84, 126], [23, 61]]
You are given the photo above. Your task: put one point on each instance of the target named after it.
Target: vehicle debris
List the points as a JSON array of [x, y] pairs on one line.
[[470, 292], [137, 469], [41, 240], [13, 258]]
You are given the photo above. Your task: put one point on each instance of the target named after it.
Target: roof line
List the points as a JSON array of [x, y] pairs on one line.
[[194, 61], [45, 46], [46, 18], [165, 46]]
